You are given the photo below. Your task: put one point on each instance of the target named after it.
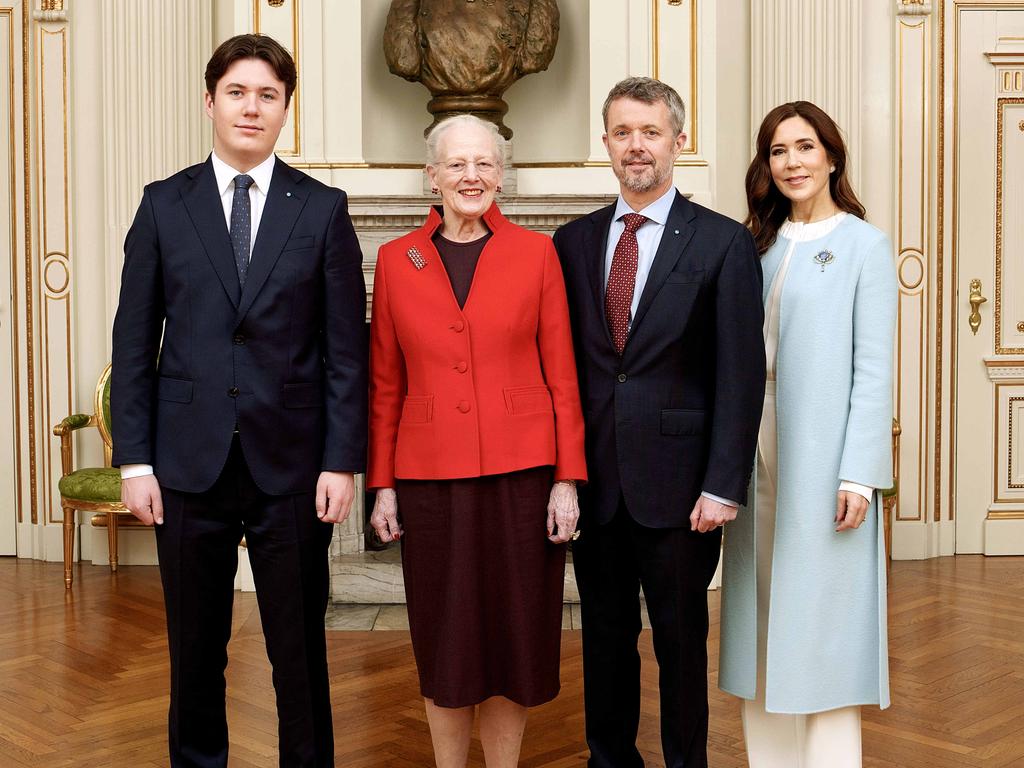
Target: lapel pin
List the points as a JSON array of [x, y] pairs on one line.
[[416, 257], [824, 258], [287, 194], [676, 231]]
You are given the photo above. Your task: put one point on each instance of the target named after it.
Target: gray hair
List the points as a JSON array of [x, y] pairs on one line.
[[649, 91], [456, 121]]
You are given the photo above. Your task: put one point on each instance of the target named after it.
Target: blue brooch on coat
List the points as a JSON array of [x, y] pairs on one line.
[[416, 257], [824, 258]]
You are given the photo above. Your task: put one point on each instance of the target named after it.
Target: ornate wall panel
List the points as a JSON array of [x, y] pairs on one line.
[[913, 259], [1009, 289]]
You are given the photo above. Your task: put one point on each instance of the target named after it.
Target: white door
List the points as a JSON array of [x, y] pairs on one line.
[[10, 30], [988, 258]]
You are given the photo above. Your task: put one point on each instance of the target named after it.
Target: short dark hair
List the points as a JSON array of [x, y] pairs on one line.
[[252, 46], [649, 91]]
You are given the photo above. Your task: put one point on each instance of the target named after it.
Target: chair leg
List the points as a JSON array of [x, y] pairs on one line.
[[69, 544], [112, 540]]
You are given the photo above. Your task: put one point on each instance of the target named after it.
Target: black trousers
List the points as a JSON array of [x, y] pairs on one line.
[[198, 550], [674, 566]]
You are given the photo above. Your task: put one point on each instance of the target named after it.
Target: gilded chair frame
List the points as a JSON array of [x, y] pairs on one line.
[[109, 510]]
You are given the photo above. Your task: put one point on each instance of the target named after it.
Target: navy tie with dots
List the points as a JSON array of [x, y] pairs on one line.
[[241, 225], [618, 296]]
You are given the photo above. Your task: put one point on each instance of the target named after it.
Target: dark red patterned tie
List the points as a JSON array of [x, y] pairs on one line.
[[618, 295]]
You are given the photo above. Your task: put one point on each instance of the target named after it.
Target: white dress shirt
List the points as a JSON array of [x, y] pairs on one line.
[[225, 176], [648, 238]]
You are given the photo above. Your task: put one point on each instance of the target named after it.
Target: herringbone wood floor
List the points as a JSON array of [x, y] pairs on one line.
[[83, 678]]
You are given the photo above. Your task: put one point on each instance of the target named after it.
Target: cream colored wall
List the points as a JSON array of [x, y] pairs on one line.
[[874, 69]]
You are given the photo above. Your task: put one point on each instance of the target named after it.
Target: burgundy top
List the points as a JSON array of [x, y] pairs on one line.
[[459, 261]]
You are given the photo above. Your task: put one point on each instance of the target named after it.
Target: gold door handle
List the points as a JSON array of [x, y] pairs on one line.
[[976, 300]]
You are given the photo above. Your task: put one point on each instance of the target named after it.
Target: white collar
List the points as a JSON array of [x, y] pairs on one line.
[[657, 211], [225, 174], [801, 233]]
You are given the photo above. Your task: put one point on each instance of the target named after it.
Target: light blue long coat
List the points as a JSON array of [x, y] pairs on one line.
[[827, 623]]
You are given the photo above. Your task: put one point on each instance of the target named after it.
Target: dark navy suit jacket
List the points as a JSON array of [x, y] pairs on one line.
[[284, 360], [678, 412]]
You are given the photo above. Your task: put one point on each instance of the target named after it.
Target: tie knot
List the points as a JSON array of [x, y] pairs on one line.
[[244, 181], [633, 221]]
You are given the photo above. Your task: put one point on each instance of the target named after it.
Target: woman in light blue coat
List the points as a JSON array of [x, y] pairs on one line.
[[803, 603]]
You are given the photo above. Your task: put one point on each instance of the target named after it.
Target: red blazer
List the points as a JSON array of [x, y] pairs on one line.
[[483, 390]]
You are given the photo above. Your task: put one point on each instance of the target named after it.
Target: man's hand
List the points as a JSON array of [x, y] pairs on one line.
[[334, 494], [709, 514], [142, 497]]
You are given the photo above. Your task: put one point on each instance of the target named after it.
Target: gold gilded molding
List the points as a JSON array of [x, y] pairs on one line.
[[1001, 105], [56, 280], [30, 373], [691, 144], [1005, 515], [1009, 443], [294, 106]]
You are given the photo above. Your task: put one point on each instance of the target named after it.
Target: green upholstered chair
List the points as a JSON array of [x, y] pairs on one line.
[[91, 489]]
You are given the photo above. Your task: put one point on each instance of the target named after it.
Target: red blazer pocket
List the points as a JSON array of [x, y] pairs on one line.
[[535, 399], [418, 409]]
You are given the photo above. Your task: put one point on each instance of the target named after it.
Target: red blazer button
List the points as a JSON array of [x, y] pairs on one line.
[[463, 406]]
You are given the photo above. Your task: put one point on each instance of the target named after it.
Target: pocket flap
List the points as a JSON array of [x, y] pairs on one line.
[[174, 390], [690, 276], [535, 399], [682, 421], [296, 243], [305, 394], [418, 409]]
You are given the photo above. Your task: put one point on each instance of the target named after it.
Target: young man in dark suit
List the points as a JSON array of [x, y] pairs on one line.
[[238, 401], [665, 301]]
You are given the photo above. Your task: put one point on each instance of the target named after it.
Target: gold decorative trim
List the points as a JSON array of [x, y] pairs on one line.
[[1001, 105], [691, 148], [1009, 443], [294, 106], [1007, 515], [26, 97], [419, 166]]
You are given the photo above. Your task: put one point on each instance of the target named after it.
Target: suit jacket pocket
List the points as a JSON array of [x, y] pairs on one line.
[[535, 399], [297, 243], [174, 390], [305, 394], [418, 409], [682, 421], [692, 276]]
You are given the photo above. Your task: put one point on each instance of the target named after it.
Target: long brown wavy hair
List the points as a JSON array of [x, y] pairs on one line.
[[767, 207]]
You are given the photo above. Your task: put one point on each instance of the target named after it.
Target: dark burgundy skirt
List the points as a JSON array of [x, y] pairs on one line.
[[483, 587]]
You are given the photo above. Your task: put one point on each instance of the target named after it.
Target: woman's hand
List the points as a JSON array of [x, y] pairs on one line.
[[563, 512], [851, 509], [384, 519]]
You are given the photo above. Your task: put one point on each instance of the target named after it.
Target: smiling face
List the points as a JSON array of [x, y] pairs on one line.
[[248, 112], [467, 172], [801, 169], [642, 147]]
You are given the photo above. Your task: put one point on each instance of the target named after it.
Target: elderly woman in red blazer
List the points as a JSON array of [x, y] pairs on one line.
[[476, 443]]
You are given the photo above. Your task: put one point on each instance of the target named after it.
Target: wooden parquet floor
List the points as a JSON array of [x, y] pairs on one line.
[[83, 679]]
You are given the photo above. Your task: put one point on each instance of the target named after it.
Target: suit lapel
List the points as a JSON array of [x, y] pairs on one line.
[[207, 213], [284, 203], [678, 232], [595, 245]]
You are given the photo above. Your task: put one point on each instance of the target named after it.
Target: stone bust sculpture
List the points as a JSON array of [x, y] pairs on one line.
[[468, 52]]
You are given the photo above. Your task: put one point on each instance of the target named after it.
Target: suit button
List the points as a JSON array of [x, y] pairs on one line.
[[463, 406], [238, 339], [233, 392], [458, 326], [622, 378], [461, 366]]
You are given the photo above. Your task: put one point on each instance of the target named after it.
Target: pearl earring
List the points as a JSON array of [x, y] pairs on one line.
[[832, 169]]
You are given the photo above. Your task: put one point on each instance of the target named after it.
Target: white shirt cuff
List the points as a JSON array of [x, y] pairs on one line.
[[135, 470], [719, 499], [861, 490]]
